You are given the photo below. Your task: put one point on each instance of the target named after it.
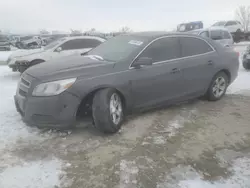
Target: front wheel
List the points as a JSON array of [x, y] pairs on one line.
[[107, 110], [218, 87]]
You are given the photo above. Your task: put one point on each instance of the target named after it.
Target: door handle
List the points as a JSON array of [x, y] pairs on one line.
[[175, 70], [210, 62]]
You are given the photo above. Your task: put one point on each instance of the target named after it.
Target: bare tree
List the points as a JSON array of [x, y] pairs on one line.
[[125, 29], [243, 14], [44, 32]]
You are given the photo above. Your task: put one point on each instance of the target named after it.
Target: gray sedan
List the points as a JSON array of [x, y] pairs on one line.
[[125, 73]]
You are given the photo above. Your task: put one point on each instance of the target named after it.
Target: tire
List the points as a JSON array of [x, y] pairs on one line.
[[213, 92], [238, 31], [101, 111], [246, 65]]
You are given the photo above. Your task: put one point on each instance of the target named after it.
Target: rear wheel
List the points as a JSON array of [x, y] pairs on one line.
[[246, 65], [218, 87], [107, 110]]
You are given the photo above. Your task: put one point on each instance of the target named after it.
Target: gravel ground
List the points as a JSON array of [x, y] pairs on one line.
[[189, 145]]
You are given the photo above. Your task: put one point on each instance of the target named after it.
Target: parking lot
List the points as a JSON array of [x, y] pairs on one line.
[[192, 144]]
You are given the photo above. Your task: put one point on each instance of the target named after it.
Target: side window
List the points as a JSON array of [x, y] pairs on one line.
[[216, 35], [80, 44], [193, 46], [226, 35], [204, 34], [70, 45], [229, 23], [88, 43], [163, 49]]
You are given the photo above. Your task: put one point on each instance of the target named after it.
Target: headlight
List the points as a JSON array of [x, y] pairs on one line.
[[53, 88]]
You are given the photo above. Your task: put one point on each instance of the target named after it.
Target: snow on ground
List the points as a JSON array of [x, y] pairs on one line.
[[15, 173], [241, 84], [43, 173], [189, 178], [4, 55]]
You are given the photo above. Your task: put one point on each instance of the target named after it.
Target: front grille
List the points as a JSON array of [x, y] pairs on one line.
[[25, 82], [22, 93], [24, 85]]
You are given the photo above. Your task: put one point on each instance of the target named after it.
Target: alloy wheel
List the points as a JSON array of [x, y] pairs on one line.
[[219, 87], [115, 107]]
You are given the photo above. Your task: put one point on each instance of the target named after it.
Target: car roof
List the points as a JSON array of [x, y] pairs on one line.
[[157, 34], [84, 37]]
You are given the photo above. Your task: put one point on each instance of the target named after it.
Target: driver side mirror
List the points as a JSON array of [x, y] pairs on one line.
[[59, 49], [142, 61]]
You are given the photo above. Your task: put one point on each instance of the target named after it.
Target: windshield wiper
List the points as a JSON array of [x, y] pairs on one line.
[[95, 57], [98, 57]]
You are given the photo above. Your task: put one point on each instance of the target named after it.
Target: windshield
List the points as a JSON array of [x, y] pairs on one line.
[[54, 44], [118, 48], [219, 24]]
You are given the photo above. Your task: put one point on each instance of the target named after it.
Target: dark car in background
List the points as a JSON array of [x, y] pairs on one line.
[[126, 73], [246, 58]]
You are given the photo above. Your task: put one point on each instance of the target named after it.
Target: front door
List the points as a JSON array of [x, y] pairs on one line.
[[162, 80]]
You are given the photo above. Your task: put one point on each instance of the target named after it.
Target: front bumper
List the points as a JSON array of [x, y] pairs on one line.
[[53, 111]]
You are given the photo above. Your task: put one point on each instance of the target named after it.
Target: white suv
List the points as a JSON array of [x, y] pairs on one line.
[[232, 26], [20, 60]]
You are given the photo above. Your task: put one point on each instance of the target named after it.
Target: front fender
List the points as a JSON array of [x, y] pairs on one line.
[[83, 88]]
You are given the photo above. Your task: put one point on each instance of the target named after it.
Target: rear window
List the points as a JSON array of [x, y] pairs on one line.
[[226, 35], [216, 35], [204, 34], [193, 46]]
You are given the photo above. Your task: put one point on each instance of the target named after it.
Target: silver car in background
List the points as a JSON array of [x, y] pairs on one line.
[[218, 34], [20, 60]]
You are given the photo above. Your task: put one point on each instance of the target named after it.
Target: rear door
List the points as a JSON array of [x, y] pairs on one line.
[[198, 59], [161, 81]]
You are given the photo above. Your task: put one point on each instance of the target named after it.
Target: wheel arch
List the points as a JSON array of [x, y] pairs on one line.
[[86, 100], [37, 60], [227, 73]]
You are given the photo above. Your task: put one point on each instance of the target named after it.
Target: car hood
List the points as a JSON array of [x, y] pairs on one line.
[[68, 67], [21, 53]]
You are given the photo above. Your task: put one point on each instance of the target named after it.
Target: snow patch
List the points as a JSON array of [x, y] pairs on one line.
[[40, 174], [178, 122], [187, 177], [128, 174], [159, 140], [241, 84], [4, 55]]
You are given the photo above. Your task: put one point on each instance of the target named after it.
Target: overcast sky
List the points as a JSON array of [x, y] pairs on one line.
[[111, 15]]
